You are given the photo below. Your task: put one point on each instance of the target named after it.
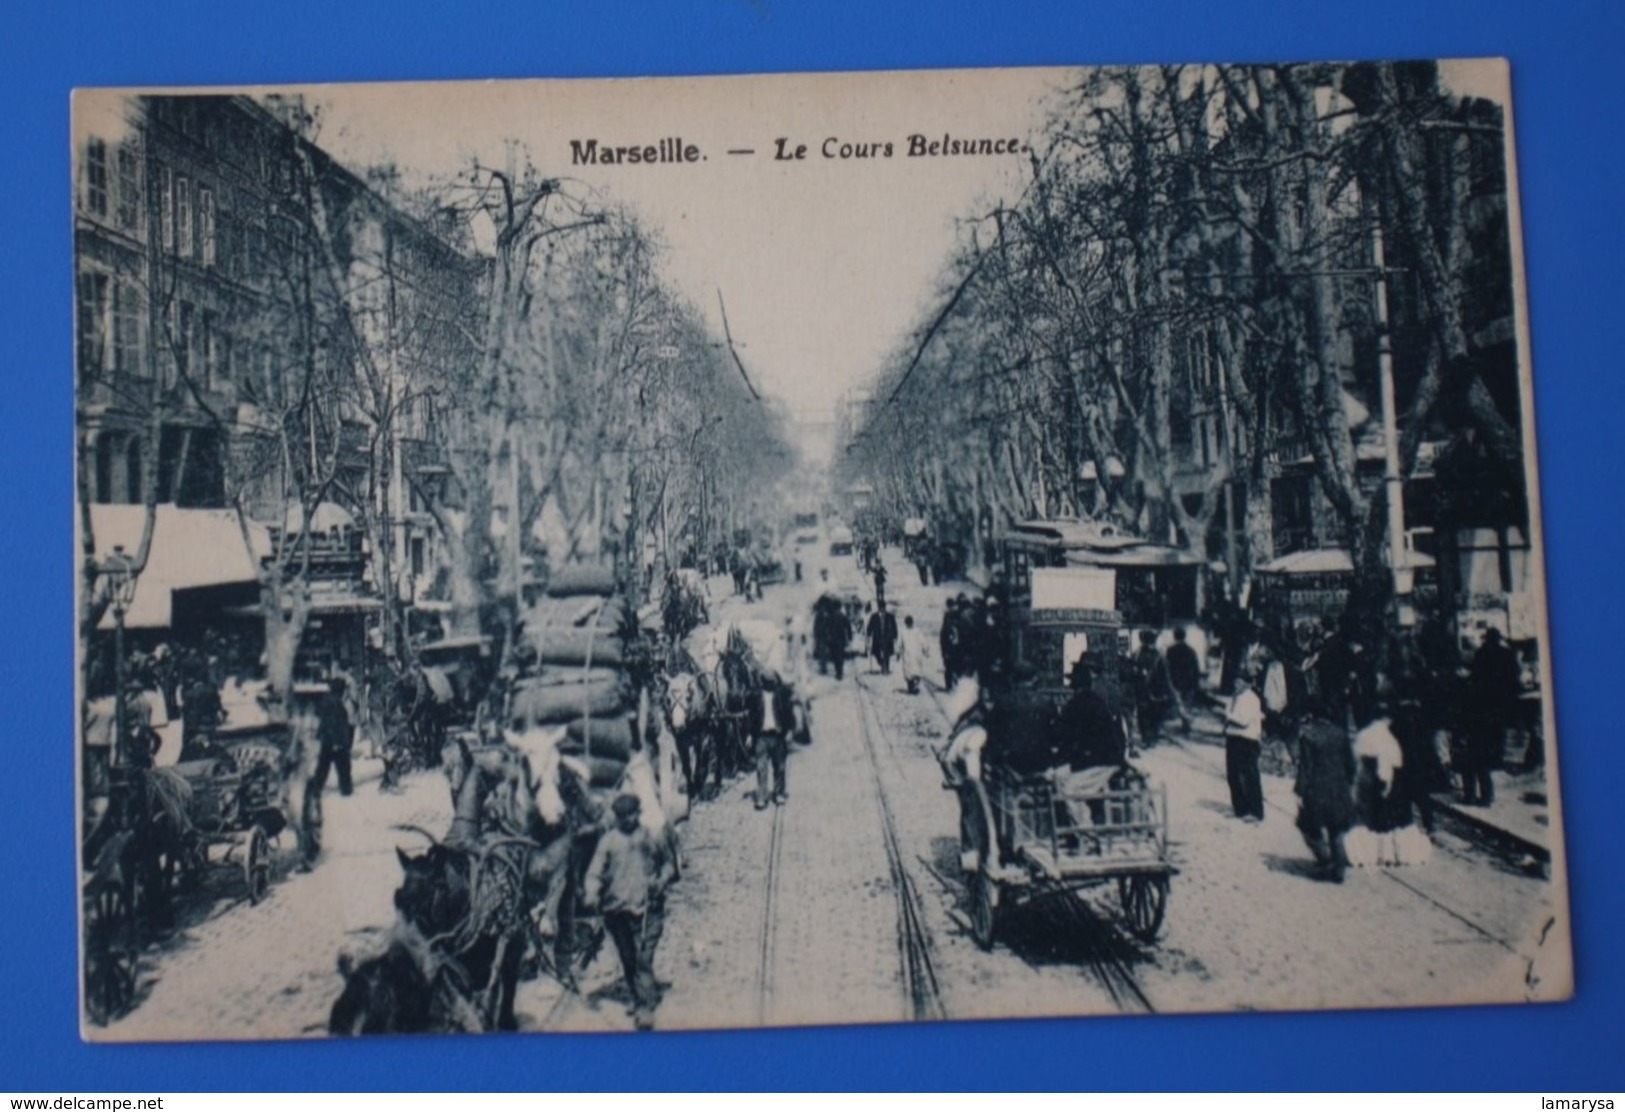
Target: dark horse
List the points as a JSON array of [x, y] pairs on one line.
[[466, 908]]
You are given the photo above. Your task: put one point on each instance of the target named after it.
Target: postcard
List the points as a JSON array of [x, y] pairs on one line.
[[611, 555]]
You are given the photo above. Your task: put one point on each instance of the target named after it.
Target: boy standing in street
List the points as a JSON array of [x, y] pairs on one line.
[[627, 880]]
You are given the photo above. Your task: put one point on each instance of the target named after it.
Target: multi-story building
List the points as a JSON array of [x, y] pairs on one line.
[[259, 326]]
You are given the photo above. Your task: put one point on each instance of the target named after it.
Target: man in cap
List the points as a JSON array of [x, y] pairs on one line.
[[627, 880], [771, 719]]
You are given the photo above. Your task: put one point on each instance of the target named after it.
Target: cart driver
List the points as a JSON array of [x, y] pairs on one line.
[[961, 762], [1087, 733]]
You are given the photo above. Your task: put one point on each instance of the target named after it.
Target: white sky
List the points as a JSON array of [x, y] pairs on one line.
[[825, 264]]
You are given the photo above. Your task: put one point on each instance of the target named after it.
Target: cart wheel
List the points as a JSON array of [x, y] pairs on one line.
[[984, 909], [110, 955], [1145, 901], [257, 865]]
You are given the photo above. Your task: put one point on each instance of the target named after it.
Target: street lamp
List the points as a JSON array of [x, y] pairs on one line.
[[119, 571]]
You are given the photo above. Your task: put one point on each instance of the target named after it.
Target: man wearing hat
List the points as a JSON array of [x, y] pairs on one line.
[[627, 880], [1492, 685], [771, 720]]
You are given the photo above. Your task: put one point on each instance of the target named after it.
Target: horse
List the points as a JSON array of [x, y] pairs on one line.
[[693, 711], [466, 908], [737, 679]]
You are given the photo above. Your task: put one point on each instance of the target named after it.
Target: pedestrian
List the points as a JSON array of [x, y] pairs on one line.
[[1152, 693], [1324, 788], [1243, 736], [977, 641], [1275, 691], [771, 720], [334, 735], [1378, 760], [880, 580], [950, 640], [201, 714], [626, 880], [1184, 677], [1416, 721], [1492, 689], [911, 655], [882, 634]]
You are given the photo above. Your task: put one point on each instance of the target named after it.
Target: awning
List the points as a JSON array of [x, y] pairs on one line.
[[1140, 556], [1328, 561], [191, 548]]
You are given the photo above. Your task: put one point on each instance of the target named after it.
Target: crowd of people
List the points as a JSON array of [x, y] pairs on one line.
[[1371, 738]]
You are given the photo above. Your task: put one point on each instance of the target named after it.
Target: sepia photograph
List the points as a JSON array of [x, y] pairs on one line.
[[807, 549]]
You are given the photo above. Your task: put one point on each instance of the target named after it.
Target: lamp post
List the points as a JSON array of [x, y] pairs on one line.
[[120, 572]]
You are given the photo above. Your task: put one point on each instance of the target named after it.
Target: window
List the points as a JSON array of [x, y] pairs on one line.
[[205, 219], [93, 287], [183, 217], [132, 471], [128, 305], [182, 337], [96, 177], [129, 188], [103, 452], [212, 349], [166, 210]]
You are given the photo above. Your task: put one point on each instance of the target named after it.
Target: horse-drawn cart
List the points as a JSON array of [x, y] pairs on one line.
[[1058, 834], [1058, 808], [233, 809]]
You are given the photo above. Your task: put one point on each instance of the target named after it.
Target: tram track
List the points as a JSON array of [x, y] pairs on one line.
[[766, 955], [922, 989]]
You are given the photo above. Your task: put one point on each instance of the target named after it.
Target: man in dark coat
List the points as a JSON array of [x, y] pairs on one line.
[[1325, 789], [1492, 685], [952, 642], [334, 735], [1184, 677], [771, 719], [1087, 733], [882, 634], [1152, 691]]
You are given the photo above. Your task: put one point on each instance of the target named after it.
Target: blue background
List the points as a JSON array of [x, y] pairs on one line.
[[1568, 99]]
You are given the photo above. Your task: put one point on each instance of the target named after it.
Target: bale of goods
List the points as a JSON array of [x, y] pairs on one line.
[[571, 647], [576, 632], [601, 737], [605, 773], [606, 614], [573, 677], [563, 703], [582, 579]]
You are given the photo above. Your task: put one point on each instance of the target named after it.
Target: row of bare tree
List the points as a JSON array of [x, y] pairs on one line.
[[1202, 280], [496, 351]]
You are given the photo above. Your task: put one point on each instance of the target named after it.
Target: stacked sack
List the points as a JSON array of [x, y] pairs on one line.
[[578, 634]]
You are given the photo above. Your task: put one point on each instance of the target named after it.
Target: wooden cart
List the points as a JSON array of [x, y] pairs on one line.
[[1052, 835]]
